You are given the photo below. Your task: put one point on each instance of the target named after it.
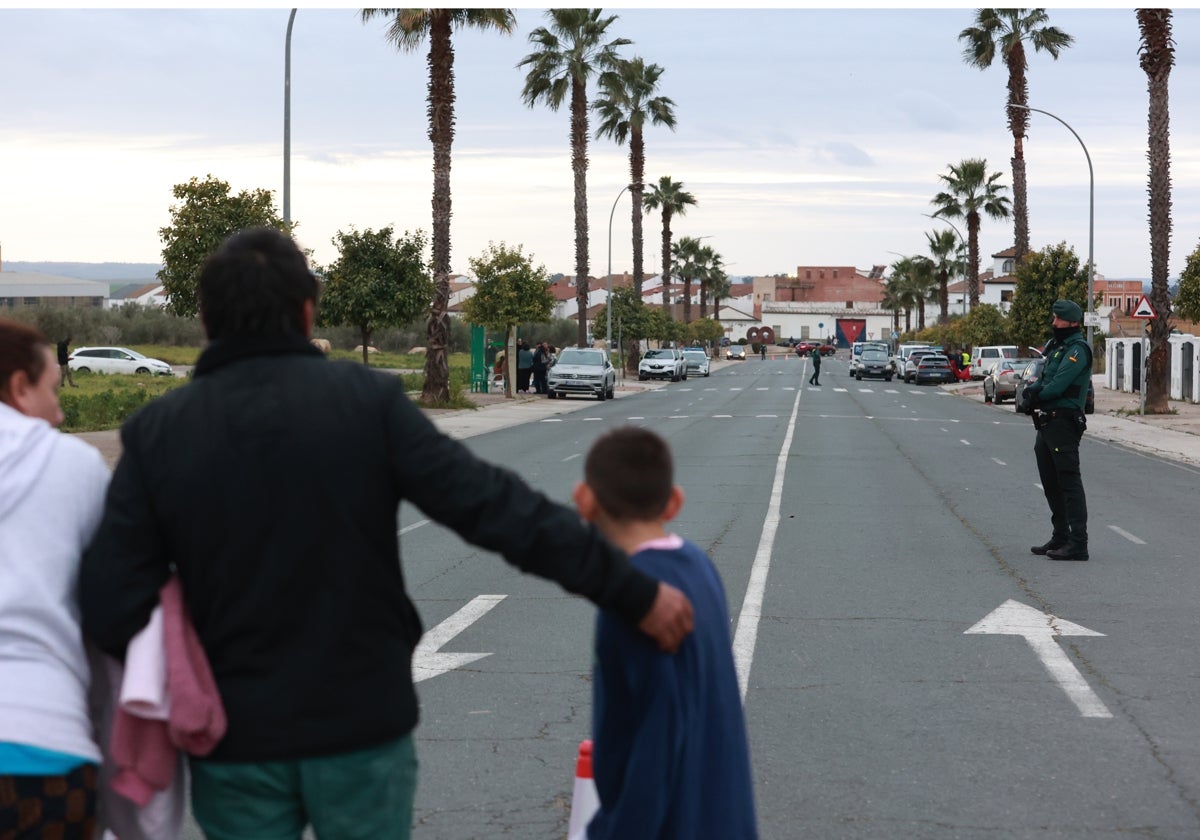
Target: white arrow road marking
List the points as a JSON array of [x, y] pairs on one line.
[[1128, 536], [964, 441], [1013, 618], [428, 660]]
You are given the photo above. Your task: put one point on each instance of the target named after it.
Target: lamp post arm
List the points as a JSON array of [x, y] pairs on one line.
[[287, 122], [608, 278], [1091, 210]]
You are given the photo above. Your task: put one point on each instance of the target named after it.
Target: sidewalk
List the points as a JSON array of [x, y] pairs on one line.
[[1172, 436]]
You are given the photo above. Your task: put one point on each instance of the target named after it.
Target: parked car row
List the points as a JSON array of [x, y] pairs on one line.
[[1030, 374]]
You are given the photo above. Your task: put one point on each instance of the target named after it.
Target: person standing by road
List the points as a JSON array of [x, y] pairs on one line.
[[815, 379], [64, 363], [51, 495], [270, 484], [762, 349], [524, 366], [541, 366], [1058, 399]]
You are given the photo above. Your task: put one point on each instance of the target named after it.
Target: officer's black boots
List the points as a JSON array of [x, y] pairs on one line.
[[1055, 542]]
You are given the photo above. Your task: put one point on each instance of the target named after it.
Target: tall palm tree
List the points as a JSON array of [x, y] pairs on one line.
[[917, 284], [971, 190], [674, 200], [570, 51], [712, 270], [1157, 55], [686, 262], [408, 29], [626, 104], [944, 250], [1009, 30], [900, 291]]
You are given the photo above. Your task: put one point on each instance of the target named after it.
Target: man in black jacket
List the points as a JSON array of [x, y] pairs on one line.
[[270, 484]]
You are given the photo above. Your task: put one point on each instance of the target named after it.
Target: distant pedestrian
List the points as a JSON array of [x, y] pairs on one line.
[[524, 366], [815, 379], [670, 753], [541, 365], [1058, 399], [762, 348], [64, 363]]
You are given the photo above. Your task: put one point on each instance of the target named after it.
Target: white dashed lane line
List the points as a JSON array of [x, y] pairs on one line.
[[1127, 535], [573, 457], [1001, 463]]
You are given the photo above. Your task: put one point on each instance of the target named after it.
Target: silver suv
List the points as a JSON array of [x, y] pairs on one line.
[[582, 370]]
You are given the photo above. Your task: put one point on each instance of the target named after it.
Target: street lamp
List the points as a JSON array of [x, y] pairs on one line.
[[1091, 209], [608, 304], [287, 123], [961, 242]]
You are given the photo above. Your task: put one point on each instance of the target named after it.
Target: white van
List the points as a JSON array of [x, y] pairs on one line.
[[983, 357]]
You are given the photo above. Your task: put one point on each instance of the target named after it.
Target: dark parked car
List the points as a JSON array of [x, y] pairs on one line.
[[933, 367], [913, 358], [736, 352], [1032, 373], [874, 363]]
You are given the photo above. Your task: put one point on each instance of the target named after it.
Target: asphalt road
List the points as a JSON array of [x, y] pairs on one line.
[[856, 559]]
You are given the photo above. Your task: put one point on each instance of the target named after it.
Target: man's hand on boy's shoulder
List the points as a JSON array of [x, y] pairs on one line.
[[670, 618]]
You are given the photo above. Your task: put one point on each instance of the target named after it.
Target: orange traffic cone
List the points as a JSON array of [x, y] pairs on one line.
[[584, 801]]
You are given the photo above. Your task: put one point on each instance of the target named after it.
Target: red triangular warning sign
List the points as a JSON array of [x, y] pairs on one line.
[[1144, 309]]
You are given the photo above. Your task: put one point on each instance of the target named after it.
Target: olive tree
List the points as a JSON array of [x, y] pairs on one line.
[[376, 281], [208, 213], [509, 290]]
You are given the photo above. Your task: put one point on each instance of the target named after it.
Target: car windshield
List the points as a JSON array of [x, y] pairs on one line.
[[872, 355], [580, 357], [695, 354], [659, 354]]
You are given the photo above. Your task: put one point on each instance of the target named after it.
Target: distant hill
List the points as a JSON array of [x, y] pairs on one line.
[[107, 272]]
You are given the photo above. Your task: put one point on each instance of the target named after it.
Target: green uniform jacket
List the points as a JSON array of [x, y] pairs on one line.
[[1065, 378]]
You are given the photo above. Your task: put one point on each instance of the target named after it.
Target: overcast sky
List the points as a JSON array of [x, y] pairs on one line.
[[809, 137]]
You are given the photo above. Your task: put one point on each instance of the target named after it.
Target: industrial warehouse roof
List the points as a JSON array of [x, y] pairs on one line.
[[33, 284]]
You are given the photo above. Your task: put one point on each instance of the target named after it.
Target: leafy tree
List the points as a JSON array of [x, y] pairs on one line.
[[408, 29], [376, 281], [1157, 53], [1008, 30], [509, 290], [626, 104], [969, 190], [1045, 276], [705, 330], [207, 215], [984, 324], [1187, 301], [570, 51], [674, 200]]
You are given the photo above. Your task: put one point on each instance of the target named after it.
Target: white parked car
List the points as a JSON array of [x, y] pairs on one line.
[[582, 370], [663, 363], [115, 360], [697, 361]]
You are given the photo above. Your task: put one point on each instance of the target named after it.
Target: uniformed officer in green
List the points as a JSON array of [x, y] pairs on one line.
[[1058, 399]]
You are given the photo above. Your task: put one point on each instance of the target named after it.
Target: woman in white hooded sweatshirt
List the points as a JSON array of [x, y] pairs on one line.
[[51, 496]]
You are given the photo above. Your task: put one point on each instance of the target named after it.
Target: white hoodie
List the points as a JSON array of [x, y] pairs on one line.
[[51, 496]]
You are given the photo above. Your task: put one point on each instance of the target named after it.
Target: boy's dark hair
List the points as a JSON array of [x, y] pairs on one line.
[[255, 284], [20, 349], [631, 472]]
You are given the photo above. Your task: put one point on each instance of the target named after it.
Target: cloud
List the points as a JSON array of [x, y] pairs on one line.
[[841, 153]]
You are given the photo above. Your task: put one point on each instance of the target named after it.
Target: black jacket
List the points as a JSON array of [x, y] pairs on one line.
[[271, 482]]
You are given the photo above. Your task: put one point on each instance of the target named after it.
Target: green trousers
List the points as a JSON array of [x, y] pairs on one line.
[[365, 794]]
